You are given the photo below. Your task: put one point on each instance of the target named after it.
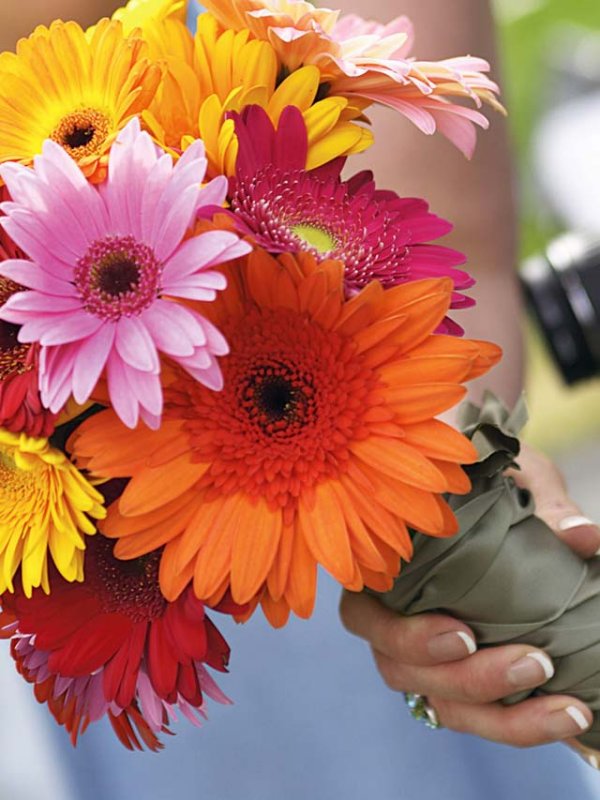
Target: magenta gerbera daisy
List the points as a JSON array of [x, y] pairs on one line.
[[377, 234], [108, 266]]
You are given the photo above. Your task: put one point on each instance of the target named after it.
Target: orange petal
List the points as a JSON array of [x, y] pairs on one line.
[[278, 574], [213, 563], [398, 460], [451, 525], [139, 544], [381, 523], [200, 527], [326, 533], [436, 439], [360, 540], [254, 548], [276, 611], [426, 369], [416, 507], [379, 331], [457, 479], [116, 526], [115, 451], [301, 588], [152, 487], [172, 579], [423, 401]]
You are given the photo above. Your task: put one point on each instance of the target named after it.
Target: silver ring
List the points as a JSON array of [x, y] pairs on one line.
[[421, 710]]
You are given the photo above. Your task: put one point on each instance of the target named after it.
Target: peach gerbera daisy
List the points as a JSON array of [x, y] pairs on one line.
[[77, 90], [228, 71], [367, 61], [321, 448]]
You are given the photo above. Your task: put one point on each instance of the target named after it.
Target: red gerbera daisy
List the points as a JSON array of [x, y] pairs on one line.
[[113, 645], [377, 234], [21, 409]]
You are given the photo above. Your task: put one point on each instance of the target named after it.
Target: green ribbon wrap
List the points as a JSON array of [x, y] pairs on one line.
[[506, 574]]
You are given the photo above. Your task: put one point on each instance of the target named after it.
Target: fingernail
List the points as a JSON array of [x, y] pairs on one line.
[[451, 646], [573, 522], [571, 721], [531, 670], [592, 761]]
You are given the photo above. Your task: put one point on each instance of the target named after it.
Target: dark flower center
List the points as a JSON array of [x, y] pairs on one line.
[[8, 336], [125, 587], [82, 133], [118, 276], [276, 397], [79, 137]]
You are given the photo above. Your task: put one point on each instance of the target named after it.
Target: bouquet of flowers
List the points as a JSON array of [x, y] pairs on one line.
[[221, 360]]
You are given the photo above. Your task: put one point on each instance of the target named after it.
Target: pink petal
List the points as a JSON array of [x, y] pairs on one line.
[[214, 193], [31, 275], [147, 388], [135, 345], [56, 368], [217, 343], [90, 361], [204, 250], [211, 377], [41, 245], [178, 316], [123, 400], [68, 328], [35, 302], [169, 335]]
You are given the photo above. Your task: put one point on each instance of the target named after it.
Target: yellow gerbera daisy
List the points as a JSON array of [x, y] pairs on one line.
[[78, 90], [45, 503], [228, 71]]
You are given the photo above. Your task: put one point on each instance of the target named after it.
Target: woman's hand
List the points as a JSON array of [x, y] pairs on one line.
[[436, 656]]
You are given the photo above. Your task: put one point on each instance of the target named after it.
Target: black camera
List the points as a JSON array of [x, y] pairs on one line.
[[563, 289]]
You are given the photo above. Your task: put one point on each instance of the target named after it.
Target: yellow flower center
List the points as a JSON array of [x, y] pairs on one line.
[[14, 481], [82, 133], [314, 236]]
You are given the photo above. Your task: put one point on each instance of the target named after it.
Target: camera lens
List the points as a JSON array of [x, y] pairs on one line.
[[563, 289]]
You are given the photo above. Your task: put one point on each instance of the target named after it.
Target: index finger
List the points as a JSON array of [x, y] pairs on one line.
[[421, 640]]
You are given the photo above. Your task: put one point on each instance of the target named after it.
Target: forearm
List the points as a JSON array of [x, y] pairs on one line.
[[477, 196]]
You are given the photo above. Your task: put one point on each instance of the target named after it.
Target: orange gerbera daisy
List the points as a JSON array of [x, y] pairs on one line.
[[321, 448]]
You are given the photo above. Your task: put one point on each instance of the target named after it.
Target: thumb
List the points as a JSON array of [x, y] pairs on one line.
[[553, 505]]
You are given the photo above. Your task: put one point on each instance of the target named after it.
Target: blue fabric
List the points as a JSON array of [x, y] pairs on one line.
[[313, 720]]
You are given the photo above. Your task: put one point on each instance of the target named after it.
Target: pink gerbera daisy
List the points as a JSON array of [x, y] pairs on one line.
[[377, 234], [106, 265], [368, 61]]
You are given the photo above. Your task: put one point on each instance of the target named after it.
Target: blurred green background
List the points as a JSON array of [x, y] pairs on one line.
[[534, 36]]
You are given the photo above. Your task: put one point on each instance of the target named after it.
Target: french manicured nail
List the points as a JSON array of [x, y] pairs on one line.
[[571, 721], [592, 761], [451, 646], [531, 670], [575, 521]]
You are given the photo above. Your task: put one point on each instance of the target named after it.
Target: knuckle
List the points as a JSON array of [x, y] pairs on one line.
[[475, 684], [392, 674]]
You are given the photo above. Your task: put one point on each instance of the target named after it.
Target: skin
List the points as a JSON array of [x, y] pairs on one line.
[[19, 19], [464, 689]]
